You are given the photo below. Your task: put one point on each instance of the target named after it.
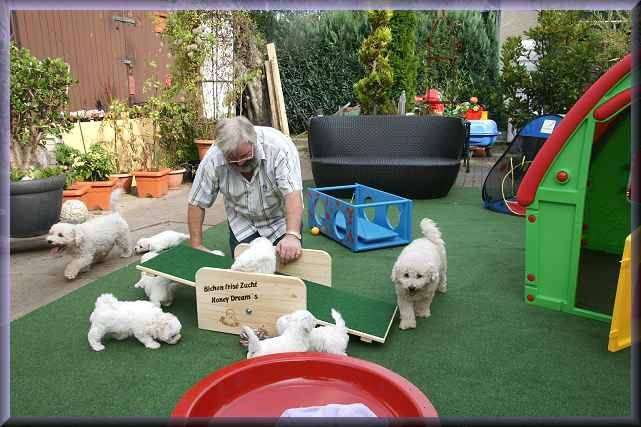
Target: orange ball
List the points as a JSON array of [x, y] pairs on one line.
[[315, 231], [474, 100]]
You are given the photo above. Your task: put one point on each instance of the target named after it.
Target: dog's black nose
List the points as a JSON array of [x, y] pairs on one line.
[[49, 241], [412, 288]]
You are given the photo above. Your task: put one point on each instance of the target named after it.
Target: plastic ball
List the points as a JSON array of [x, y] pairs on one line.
[[474, 99], [315, 231], [74, 212]]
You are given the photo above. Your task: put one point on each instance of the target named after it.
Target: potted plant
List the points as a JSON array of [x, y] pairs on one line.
[[176, 138], [38, 97], [119, 120], [152, 179], [65, 158], [94, 168]]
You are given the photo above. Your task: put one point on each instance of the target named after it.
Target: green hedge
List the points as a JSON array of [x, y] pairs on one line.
[[318, 58]]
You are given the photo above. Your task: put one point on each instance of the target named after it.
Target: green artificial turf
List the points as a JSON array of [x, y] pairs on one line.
[[483, 352]]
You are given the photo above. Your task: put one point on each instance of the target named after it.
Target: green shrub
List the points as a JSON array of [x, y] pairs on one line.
[[94, 165], [570, 51], [34, 172], [402, 56], [373, 90], [38, 96]]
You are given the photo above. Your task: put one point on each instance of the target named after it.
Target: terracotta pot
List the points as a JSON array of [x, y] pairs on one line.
[[76, 192], [203, 146], [176, 178], [123, 180], [152, 184], [99, 194]]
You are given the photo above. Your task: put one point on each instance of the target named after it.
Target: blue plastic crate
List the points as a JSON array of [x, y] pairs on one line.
[[483, 133], [362, 223]]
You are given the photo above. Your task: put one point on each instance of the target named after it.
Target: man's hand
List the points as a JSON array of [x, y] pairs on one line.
[[288, 249]]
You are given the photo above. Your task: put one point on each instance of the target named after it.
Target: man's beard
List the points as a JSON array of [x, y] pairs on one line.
[[249, 166]]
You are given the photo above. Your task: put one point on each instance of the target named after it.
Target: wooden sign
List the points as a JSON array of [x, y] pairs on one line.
[[312, 265], [227, 300]]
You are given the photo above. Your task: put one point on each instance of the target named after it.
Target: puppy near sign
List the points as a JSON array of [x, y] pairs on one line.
[[228, 299]]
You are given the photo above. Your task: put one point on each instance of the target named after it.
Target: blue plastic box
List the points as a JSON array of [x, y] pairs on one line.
[[483, 133], [362, 223]]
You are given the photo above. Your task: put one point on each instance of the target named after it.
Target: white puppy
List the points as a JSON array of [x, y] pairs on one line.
[[259, 257], [159, 290], [91, 241], [419, 271], [326, 339], [122, 319], [159, 242], [295, 336]]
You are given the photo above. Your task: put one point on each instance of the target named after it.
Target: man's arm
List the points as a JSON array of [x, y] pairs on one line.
[[294, 211], [195, 219], [289, 248]]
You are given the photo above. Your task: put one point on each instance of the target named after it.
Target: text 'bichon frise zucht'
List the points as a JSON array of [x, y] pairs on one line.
[[91, 241], [420, 270], [122, 319]]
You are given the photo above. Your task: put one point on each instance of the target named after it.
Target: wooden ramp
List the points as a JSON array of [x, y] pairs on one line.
[[366, 318]]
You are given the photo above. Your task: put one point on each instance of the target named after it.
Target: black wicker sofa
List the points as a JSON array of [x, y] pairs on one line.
[[416, 157]]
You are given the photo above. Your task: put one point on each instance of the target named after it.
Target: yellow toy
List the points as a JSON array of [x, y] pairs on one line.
[[620, 336], [315, 231]]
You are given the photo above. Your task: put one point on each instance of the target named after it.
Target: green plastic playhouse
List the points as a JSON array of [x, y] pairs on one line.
[[576, 195]]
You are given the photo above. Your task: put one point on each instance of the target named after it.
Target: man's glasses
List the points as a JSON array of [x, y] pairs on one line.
[[244, 159]]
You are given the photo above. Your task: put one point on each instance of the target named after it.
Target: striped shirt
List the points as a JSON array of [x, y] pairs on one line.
[[257, 205]]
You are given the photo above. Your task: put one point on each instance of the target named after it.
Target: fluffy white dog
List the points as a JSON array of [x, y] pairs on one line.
[[91, 241], [122, 319], [259, 257], [326, 339], [159, 242], [419, 271], [159, 290], [294, 337]]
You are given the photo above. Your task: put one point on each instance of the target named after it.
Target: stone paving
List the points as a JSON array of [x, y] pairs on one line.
[[37, 279]]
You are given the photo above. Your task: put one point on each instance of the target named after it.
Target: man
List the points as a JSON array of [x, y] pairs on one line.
[[257, 170]]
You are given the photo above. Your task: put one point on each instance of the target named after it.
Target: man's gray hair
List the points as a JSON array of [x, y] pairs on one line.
[[230, 133]]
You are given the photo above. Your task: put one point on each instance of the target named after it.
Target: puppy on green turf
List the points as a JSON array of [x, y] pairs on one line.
[[420, 270]]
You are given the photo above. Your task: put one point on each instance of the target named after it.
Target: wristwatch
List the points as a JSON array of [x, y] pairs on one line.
[[295, 234]]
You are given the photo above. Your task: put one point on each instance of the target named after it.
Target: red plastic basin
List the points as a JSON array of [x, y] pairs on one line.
[[266, 386]]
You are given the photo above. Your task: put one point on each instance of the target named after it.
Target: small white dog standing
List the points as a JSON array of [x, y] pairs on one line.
[[122, 319], [294, 337], [420, 270], [91, 241], [259, 257], [159, 242], [159, 290], [325, 339]]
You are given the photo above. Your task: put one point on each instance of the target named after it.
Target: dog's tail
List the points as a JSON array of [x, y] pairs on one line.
[[105, 300], [252, 341], [115, 198], [338, 319], [431, 231]]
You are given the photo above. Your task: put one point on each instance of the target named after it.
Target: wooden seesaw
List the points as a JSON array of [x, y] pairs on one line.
[[227, 299]]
